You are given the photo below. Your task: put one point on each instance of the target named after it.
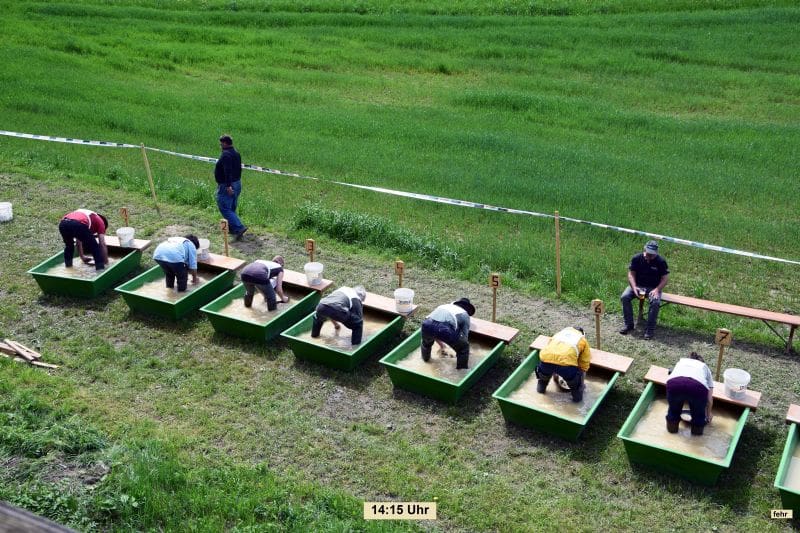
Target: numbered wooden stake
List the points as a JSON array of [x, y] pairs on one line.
[[150, 179], [399, 268], [558, 257], [723, 338], [494, 283], [598, 308], [124, 212], [311, 247], [223, 225]]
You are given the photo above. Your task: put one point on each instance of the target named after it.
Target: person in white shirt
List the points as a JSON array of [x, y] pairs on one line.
[[690, 381], [342, 305], [449, 324]]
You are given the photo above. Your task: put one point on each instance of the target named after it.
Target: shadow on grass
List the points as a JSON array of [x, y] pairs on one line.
[[269, 350], [184, 324]]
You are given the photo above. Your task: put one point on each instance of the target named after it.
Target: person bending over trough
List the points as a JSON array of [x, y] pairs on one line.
[[690, 382], [568, 355], [267, 278], [448, 324], [342, 305], [178, 260]]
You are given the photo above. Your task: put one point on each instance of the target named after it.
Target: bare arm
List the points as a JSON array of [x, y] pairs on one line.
[[632, 280], [279, 287], [661, 285], [710, 403]]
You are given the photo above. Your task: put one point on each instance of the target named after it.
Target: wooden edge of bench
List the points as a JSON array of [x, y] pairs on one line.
[[138, 244], [793, 414], [221, 261], [493, 330], [387, 305], [298, 279], [608, 360], [659, 374], [731, 309]]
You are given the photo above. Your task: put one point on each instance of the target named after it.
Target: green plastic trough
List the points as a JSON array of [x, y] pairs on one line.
[[336, 358], [790, 493], [127, 260], [192, 301], [440, 389], [537, 418], [303, 301], [695, 468]]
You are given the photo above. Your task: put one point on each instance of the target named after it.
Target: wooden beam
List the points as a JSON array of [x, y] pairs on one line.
[[493, 330], [299, 279], [387, 305], [220, 261], [138, 244], [22, 351], [793, 414], [32, 363], [658, 374], [599, 358]]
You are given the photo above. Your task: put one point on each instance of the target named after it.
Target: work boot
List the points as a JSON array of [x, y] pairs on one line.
[[626, 330], [248, 299], [672, 427], [697, 430], [541, 385]]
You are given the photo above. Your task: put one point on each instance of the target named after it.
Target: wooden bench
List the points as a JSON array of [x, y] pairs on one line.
[[493, 330], [299, 279], [793, 321], [607, 360], [221, 261], [138, 244], [793, 414], [659, 374], [387, 305]]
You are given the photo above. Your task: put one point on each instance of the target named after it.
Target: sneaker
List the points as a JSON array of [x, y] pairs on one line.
[[240, 235], [625, 330], [648, 335], [672, 427]]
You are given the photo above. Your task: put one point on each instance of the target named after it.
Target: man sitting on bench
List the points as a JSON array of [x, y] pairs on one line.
[[647, 275]]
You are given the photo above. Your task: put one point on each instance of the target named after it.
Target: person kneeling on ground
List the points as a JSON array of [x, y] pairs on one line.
[[342, 305], [89, 230], [690, 381], [267, 277], [178, 260], [448, 324], [568, 355]]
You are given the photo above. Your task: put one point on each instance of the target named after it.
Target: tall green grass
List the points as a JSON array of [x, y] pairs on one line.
[[676, 118]]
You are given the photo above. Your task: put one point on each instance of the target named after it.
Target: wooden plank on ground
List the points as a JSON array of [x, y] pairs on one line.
[[793, 414], [387, 305], [33, 363], [658, 374], [298, 279], [138, 244], [608, 360], [20, 350], [493, 330], [6, 349], [749, 312], [221, 261]]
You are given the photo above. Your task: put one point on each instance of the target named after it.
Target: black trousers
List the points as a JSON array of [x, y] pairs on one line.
[[173, 271], [71, 230]]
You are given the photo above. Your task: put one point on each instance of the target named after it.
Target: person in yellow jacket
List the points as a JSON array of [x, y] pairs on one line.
[[568, 355]]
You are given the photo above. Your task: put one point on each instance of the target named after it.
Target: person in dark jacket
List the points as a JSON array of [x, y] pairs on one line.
[[228, 173], [342, 305], [647, 275]]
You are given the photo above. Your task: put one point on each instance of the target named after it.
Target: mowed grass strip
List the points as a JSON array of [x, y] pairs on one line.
[[676, 119]]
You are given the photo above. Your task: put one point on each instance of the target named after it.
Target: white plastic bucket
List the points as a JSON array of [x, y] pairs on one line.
[[125, 236], [736, 381], [404, 300], [313, 273], [6, 213], [203, 252]]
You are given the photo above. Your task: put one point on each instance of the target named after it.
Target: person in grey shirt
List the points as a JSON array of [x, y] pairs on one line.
[[342, 305], [449, 324]]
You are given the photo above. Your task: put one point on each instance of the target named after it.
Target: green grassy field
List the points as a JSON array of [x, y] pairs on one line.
[[679, 118], [680, 122]]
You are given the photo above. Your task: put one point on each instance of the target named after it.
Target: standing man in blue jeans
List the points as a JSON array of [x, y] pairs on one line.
[[228, 174], [647, 275]]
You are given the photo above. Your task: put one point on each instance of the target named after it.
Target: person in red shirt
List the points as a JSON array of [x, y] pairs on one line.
[[89, 230]]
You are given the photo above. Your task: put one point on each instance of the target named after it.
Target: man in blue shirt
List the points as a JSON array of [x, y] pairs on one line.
[[177, 260], [647, 275], [228, 174]]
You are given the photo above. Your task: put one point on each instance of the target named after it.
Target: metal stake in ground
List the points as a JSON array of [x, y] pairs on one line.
[[598, 308], [494, 283], [399, 268], [558, 257], [723, 338], [311, 247], [150, 179], [124, 212], [223, 225]]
